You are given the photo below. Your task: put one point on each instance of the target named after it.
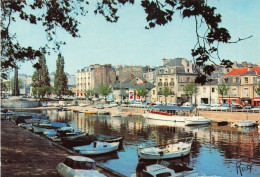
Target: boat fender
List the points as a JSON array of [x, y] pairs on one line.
[[161, 153]]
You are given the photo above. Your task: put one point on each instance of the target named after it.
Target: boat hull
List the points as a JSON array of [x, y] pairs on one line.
[[165, 117], [165, 152], [101, 148]]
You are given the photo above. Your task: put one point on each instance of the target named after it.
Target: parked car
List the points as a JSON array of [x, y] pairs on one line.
[[238, 107], [204, 107], [113, 104], [78, 166], [248, 107], [100, 106], [256, 108]]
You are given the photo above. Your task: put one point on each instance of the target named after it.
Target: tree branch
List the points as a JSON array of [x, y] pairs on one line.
[[239, 39]]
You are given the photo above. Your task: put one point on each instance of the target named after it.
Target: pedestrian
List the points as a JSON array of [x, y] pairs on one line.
[[140, 168]]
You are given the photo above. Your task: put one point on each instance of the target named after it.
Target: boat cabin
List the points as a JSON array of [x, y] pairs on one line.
[[171, 110]]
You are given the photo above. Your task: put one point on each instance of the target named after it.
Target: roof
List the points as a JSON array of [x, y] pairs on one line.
[[172, 108], [250, 73], [242, 71], [80, 158]]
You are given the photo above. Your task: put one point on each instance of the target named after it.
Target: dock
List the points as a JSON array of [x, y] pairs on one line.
[[24, 153]]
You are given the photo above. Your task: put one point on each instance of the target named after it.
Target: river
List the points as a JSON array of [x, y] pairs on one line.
[[216, 150]]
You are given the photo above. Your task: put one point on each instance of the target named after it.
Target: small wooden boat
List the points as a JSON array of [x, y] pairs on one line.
[[96, 148], [168, 151], [83, 139], [41, 127], [91, 112], [222, 123]]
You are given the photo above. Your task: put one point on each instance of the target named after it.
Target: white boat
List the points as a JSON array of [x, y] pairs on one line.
[[116, 115], [82, 104], [156, 170], [170, 113], [168, 151], [97, 147], [197, 120], [245, 123]]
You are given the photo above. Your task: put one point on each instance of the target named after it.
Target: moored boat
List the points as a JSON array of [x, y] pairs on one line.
[[222, 123], [170, 113], [96, 148], [245, 123], [84, 139], [174, 170], [197, 120], [167, 151]]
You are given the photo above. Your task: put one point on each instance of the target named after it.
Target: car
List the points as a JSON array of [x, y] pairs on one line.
[[248, 107], [107, 106], [94, 99], [100, 106], [113, 104], [256, 108], [78, 166], [204, 107], [237, 106]]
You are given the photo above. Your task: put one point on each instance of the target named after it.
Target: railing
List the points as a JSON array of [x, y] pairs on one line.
[[230, 110]]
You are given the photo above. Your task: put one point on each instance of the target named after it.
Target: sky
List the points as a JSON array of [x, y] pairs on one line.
[[127, 42]]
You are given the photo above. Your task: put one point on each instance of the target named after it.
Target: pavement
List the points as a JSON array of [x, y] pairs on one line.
[[24, 153]]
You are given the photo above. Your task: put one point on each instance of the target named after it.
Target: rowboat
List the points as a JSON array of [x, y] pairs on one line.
[[96, 147], [167, 151]]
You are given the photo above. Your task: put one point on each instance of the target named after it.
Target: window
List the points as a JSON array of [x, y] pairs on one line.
[[213, 89], [234, 92], [246, 93], [204, 89], [234, 80], [254, 80], [246, 80], [154, 92]]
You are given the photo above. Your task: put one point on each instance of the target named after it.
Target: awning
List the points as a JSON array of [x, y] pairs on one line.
[[171, 108]]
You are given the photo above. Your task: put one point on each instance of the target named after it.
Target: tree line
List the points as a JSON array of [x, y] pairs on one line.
[[41, 79]]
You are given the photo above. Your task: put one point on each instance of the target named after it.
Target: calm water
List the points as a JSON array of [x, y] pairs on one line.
[[215, 150]]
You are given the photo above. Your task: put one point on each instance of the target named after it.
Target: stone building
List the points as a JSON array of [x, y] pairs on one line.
[[123, 72], [242, 82], [174, 73], [150, 74], [90, 78]]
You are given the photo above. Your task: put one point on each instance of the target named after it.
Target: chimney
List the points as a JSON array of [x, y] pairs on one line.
[[250, 67], [165, 61], [244, 64]]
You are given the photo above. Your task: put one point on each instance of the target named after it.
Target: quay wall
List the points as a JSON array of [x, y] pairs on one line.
[[230, 116]]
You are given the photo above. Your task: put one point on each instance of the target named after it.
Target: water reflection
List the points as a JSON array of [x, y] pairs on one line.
[[215, 150]]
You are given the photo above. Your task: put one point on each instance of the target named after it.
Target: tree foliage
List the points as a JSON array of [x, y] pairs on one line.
[[257, 89], [223, 89], [191, 89], [51, 15], [63, 14], [166, 91], [60, 78], [142, 91], [105, 89], [40, 78]]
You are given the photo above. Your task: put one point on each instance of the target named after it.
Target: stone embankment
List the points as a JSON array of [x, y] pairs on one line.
[[24, 153]]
